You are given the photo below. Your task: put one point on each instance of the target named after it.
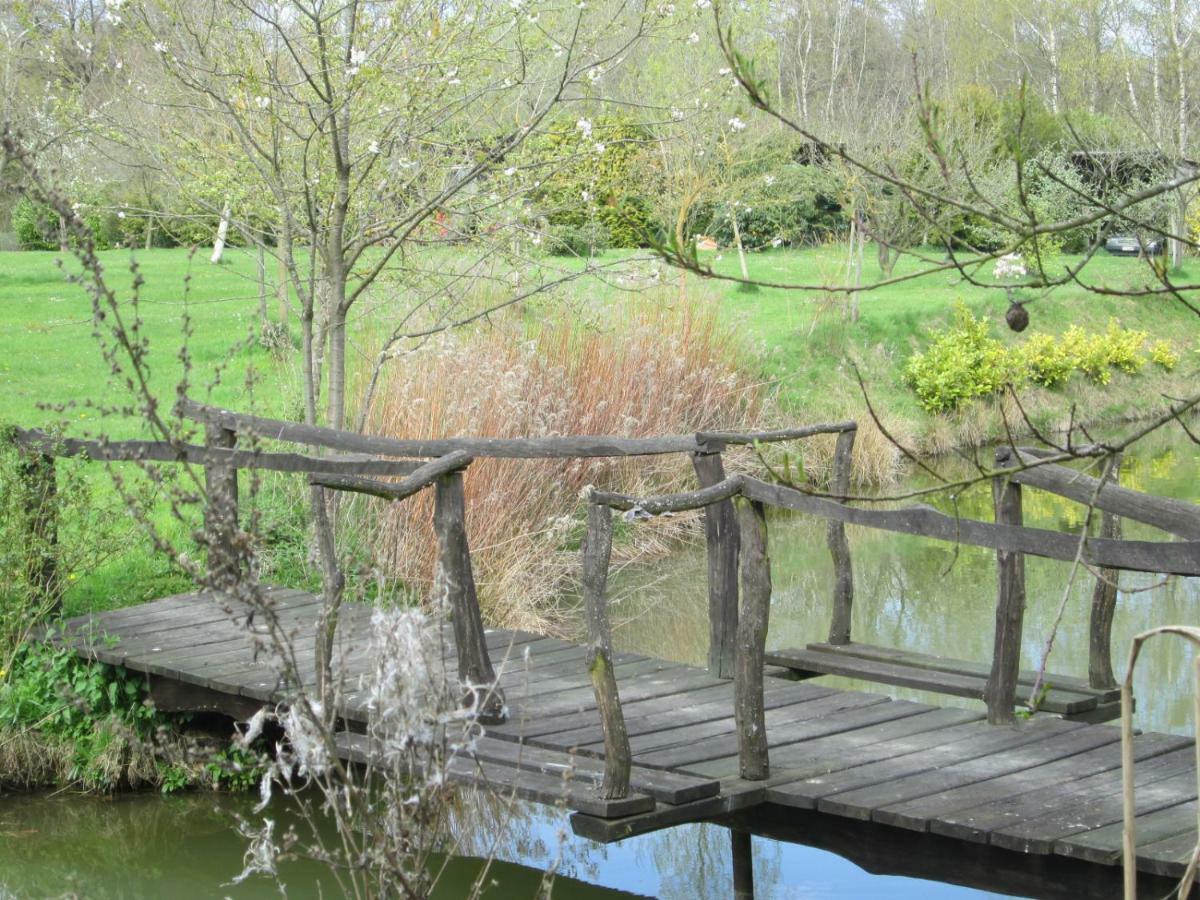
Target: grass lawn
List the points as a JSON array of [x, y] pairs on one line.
[[48, 354], [806, 339], [797, 339]]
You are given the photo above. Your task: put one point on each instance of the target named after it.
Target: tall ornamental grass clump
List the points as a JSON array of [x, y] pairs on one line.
[[642, 368]]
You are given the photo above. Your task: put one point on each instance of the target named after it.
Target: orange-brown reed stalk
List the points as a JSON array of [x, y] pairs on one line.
[[640, 369]]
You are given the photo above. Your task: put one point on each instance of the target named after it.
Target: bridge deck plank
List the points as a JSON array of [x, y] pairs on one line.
[[1046, 787]]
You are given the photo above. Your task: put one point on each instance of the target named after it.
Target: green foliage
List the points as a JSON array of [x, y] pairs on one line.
[[961, 363], [235, 769], [173, 779], [34, 225], [595, 177], [1164, 354], [964, 361], [90, 707], [792, 205], [1046, 360], [584, 240]]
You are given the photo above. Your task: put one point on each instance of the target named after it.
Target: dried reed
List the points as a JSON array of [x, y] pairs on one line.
[[640, 368]]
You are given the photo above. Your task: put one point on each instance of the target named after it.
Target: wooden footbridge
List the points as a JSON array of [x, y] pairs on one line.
[[1043, 801]]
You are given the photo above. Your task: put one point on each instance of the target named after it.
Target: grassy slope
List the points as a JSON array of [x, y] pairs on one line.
[[807, 343], [48, 354]]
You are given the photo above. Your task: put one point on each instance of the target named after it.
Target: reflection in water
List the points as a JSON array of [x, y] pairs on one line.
[[147, 846], [932, 597]]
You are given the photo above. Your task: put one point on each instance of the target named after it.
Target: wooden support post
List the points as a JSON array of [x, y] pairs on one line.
[[597, 548], [721, 536], [1104, 603], [41, 512], [743, 864], [221, 514], [839, 548], [455, 577], [1001, 690], [749, 712]]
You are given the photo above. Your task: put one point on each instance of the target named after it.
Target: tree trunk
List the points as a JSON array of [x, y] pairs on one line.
[[222, 233], [263, 319], [281, 288], [887, 258]]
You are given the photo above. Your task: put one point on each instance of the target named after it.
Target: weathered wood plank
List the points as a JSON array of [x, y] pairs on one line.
[[823, 755], [596, 552], [839, 547], [1179, 558], [697, 710], [915, 794], [721, 543], [1000, 694], [1039, 835], [753, 617], [1104, 605], [1066, 684], [853, 713], [510, 448], [830, 661], [163, 451], [1014, 813], [1167, 857], [419, 479], [527, 784], [666, 787], [1058, 784], [456, 580], [735, 795], [1103, 845], [1178, 517], [856, 793]]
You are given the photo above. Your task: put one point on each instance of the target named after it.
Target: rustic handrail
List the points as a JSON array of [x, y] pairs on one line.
[[1170, 558], [170, 452], [421, 477], [566, 447], [1178, 517]]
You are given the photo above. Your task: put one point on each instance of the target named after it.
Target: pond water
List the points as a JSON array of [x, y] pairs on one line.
[[145, 847], [910, 592]]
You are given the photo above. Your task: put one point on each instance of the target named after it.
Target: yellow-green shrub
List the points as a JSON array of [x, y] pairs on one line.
[[961, 363], [1163, 353], [1045, 360]]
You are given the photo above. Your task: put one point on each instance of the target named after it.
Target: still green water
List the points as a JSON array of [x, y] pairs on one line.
[[910, 592]]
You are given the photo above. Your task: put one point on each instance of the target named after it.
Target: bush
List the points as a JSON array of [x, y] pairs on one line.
[[961, 363], [1046, 361], [577, 240], [793, 205], [36, 225], [964, 361], [590, 177], [1164, 354]]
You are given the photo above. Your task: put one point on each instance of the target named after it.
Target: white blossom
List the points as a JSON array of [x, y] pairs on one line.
[[374, 147], [736, 124], [262, 102], [693, 38], [598, 147], [585, 127], [1009, 266], [160, 47]]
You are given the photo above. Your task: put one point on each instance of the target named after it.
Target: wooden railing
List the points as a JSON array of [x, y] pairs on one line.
[[736, 537], [1007, 535]]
